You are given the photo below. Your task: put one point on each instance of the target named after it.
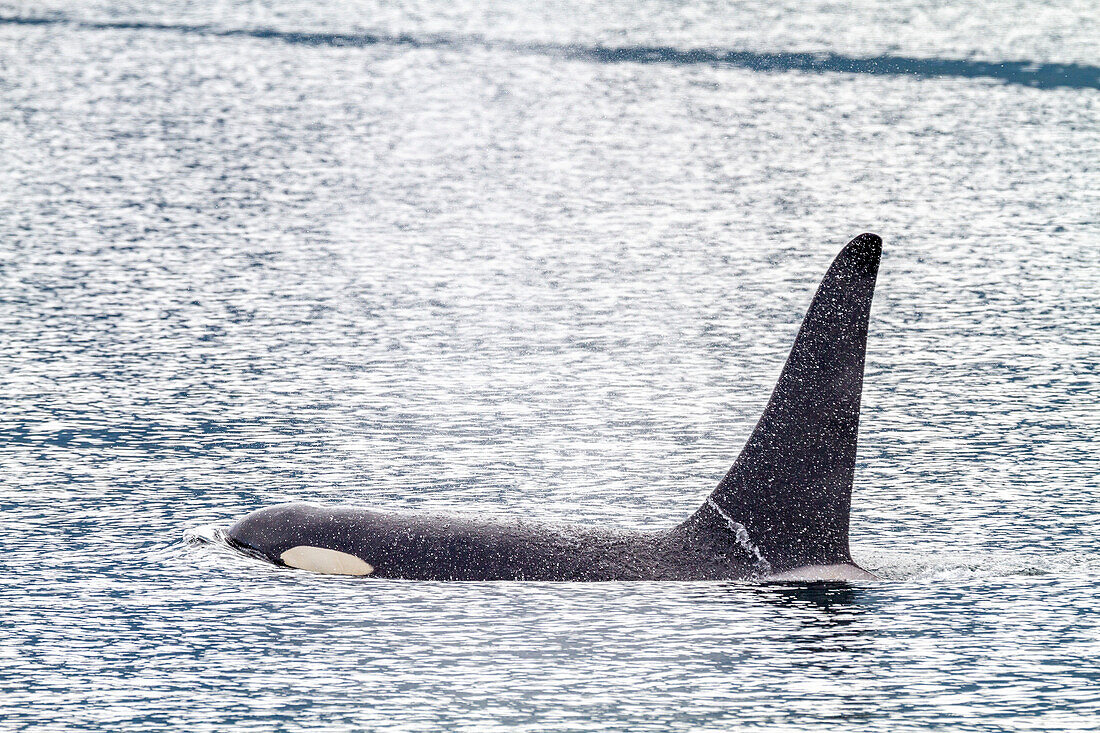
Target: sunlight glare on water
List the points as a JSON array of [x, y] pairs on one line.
[[541, 260]]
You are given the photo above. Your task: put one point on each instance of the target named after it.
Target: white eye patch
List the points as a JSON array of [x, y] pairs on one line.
[[320, 560]]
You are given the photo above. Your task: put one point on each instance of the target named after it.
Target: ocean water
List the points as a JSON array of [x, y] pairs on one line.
[[540, 259]]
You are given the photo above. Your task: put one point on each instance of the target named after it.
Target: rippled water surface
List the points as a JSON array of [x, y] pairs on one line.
[[545, 260]]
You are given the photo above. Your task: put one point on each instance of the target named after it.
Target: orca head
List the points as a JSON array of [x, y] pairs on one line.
[[296, 535]]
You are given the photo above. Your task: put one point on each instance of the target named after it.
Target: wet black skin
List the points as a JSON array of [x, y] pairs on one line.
[[784, 504], [454, 547]]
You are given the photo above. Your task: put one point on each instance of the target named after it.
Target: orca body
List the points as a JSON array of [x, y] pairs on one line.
[[780, 513]]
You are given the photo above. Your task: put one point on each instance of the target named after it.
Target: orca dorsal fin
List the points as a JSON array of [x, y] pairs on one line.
[[787, 497]]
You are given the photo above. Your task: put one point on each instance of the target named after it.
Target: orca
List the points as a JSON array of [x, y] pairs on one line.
[[779, 514]]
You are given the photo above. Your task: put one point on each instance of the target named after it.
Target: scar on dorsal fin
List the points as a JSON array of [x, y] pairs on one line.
[[787, 497]]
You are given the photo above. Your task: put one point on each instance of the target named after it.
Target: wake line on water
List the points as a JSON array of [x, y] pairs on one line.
[[1024, 73]]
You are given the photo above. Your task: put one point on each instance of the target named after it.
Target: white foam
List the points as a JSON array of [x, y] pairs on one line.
[[321, 560]]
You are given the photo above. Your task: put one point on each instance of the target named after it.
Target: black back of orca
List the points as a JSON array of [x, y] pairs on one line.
[[783, 505]]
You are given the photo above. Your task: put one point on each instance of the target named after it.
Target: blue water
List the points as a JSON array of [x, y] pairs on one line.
[[540, 259]]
